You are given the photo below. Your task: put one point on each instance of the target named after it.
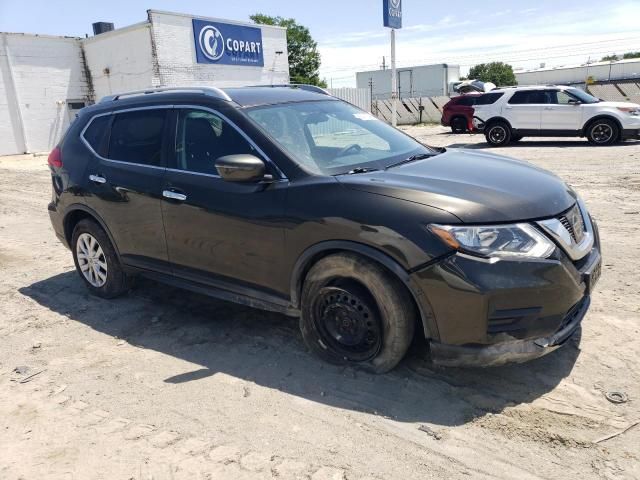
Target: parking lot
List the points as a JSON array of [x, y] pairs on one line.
[[163, 383]]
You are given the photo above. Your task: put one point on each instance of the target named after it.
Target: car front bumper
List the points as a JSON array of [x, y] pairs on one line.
[[487, 313], [517, 351]]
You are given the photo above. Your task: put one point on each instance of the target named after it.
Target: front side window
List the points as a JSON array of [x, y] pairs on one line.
[[333, 137], [136, 137], [562, 98], [202, 138]]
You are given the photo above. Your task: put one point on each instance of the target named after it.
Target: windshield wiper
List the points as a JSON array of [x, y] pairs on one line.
[[357, 170], [412, 158]]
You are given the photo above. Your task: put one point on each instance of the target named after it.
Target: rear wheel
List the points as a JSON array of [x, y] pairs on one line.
[[603, 132], [355, 312], [459, 125], [498, 134], [96, 260]]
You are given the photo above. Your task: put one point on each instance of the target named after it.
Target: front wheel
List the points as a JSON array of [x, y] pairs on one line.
[[603, 132], [96, 260], [355, 312], [498, 134]]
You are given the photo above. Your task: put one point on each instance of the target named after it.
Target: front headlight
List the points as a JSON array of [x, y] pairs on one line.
[[635, 111], [518, 240]]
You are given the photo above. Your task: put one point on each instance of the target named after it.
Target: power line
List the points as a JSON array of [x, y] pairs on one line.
[[516, 55]]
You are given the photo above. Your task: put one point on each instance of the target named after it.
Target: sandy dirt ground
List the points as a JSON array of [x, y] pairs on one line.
[[166, 384]]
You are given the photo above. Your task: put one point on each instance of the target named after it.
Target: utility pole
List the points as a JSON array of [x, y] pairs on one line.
[[392, 18], [384, 63], [371, 92], [394, 81]]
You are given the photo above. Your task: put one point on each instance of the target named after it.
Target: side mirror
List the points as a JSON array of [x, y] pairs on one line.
[[575, 102], [242, 168]]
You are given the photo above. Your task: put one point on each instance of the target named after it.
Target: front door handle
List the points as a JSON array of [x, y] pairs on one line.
[[97, 179], [174, 195]]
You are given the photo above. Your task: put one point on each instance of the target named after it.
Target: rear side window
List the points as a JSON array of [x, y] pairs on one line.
[[136, 137], [488, 98], [529, 97], [95, 134]]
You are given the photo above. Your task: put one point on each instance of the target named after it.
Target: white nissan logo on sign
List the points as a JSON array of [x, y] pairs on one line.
[[395, 3], [212, 42]]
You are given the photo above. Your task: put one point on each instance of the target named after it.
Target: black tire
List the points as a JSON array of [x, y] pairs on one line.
[[498, 134], [603, 132], [116, 282], [355, 312], [459, 125]]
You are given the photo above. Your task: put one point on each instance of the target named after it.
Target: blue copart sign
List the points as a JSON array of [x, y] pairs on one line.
[[392, 13], [226, 44]]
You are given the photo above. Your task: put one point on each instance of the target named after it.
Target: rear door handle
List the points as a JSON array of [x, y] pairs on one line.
[[97, 179], [174, 195], [548, 108], [508, 108]]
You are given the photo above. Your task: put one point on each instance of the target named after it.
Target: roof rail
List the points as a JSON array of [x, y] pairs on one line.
[[212, 91], [301, 86]]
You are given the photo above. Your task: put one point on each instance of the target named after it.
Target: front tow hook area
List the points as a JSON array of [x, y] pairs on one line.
[[519, 351]]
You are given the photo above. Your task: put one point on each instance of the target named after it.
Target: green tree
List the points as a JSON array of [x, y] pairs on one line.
[[631, 55], [304, 58], [609, 58], [496, 72]]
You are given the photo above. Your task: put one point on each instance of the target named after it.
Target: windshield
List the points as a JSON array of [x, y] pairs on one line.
[[583, 96], [333, 138]]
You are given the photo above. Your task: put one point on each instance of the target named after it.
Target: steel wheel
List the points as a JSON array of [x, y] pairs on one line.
[[348, 323], [602, 133], [91, 260]]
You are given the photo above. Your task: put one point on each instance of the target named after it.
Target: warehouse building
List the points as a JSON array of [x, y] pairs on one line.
[[581, 74], [420, 81], [45, 79]]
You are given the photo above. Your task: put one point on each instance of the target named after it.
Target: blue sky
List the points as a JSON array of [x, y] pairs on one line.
[[351, 36]]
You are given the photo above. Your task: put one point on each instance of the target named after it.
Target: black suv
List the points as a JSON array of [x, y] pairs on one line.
[[288, 199]]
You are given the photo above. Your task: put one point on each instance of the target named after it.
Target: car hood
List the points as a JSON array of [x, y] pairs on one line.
[[476, 187], [615, 104]]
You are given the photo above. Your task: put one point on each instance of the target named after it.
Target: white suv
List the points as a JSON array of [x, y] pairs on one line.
[[555, 111]]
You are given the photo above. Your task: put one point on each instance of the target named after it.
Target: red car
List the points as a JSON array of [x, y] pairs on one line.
[[458, 113]]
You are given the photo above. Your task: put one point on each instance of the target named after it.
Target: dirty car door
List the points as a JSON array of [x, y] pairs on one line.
[[220, 232]]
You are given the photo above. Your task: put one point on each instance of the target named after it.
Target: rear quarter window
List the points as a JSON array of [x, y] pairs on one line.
[[96, 134], [466, 101], [488, 98]]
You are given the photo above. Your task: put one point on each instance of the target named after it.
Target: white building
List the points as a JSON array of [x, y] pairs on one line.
[[45, 79], [419, 81], [578, 74]]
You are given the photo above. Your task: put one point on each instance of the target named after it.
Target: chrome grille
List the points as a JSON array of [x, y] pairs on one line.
[[572, 231], [574, 223]]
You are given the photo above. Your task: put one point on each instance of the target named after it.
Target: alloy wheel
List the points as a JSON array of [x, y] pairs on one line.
[[91, 260], [497, 134], [602, 133]]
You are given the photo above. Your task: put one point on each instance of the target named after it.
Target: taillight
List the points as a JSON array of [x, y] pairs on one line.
[[55, 158]]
